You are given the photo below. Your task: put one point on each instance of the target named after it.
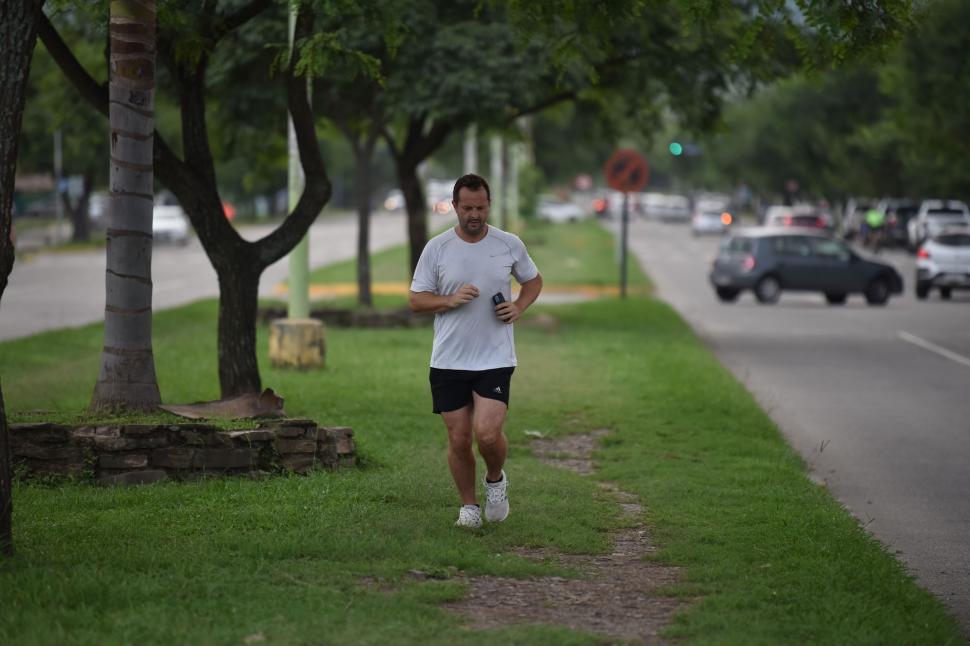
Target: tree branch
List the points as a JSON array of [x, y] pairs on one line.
[[239, 17], [545, 103], [570, 95], [316, 188], [93, 92]]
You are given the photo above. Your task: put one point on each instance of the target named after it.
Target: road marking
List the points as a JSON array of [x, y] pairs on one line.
[[932, 347]]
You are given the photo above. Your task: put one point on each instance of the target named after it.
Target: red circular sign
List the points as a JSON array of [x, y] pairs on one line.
[[626, 171]]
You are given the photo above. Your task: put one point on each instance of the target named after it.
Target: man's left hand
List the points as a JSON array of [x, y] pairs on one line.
[[508, 311]]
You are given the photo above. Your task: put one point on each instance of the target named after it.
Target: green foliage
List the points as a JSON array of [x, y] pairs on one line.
[[892, 128], [52, 105], [927, 83]]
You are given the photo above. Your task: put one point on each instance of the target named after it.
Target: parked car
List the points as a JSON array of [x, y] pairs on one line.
[[675, 208], [799, 215], [943, 262], [769, 260], [553, 209], [934, 216], [853, 216], [98, 209], [711, 216], [394, 201], [170, 224]]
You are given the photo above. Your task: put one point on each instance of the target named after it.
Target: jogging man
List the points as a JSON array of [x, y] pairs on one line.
[[460, 276]]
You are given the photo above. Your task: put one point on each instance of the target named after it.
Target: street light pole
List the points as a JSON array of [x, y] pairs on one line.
[[624, 225], [299, 258], [58, 173]]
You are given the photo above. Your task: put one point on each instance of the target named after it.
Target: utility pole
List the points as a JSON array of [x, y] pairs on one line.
[[471, 149], [58, 175], [299, 258], [297, 341], [496, 181]]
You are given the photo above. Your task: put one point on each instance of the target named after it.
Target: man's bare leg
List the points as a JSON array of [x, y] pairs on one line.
[[487, 419], [461, 459]]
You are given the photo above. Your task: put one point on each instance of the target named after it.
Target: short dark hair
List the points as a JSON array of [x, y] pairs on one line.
[[473, 183]]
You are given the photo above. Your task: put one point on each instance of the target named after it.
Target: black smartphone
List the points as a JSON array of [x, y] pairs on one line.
[[498, 298]]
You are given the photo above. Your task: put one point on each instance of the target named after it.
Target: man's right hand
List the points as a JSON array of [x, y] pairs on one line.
[[465, 294]]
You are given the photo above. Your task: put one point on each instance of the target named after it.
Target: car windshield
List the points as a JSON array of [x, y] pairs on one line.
[[737, 245], [830, 249], [944, 213], [954, 240]]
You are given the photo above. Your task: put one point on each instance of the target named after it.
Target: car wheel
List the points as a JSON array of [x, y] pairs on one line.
[[767, 290], [835, 298], [922, 291], [946, 292], [728, 294], [877, 293]]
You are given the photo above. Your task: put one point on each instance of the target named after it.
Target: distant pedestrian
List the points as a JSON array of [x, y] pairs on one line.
[[875, 225], [463, 276]]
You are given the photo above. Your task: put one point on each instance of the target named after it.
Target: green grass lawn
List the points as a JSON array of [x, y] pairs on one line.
[[576, 254], [769, 556]]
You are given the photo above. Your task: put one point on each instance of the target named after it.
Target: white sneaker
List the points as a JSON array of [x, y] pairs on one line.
[[497, 500], [469, 516]]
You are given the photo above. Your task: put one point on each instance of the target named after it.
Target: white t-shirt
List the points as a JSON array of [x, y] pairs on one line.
[[471, 336]]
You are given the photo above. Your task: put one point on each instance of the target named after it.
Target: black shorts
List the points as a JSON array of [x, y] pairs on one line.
[[452, 389]]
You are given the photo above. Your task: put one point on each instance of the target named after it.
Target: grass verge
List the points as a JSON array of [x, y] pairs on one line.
[[769, 556], [577, 254]]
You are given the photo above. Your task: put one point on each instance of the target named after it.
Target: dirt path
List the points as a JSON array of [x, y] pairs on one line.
[[616, 596]]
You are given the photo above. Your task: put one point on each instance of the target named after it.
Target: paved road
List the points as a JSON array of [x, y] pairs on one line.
[[55, 290], [876, 400]]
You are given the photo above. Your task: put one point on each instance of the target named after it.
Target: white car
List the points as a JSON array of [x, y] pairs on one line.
[[711, 216], [933, 217], [554, 210], [943, 262], [169, 224], [799, 215]]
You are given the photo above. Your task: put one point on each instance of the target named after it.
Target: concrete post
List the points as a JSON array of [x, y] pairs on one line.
[[496, 183]]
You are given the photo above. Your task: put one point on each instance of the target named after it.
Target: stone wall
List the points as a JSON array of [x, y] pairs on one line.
[[144, 453]]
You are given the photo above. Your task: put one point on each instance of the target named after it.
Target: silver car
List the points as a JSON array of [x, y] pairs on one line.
[[943, 262], [710, 216]]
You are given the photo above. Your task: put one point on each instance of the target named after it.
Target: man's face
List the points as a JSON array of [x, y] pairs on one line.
[[472, 210]]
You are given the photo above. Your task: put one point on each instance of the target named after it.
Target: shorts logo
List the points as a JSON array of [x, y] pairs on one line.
[[498, 389]]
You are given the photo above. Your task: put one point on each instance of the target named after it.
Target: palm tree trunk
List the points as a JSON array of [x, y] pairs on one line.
[[127, 378]]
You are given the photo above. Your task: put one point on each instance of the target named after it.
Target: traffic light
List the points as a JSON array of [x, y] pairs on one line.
[[675, 148]]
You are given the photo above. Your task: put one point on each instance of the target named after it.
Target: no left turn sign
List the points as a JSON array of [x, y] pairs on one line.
[[627, 171]]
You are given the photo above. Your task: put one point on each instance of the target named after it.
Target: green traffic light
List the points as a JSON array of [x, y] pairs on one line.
[[675, 148]]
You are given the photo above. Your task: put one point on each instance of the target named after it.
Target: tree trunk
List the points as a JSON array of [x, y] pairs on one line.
[[6, 493], [417, 210], [238, 301], [127, 378], [18, 32], [364, 154], [79, 212]]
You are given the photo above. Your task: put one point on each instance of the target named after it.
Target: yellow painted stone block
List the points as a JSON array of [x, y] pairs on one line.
[[297, 343]]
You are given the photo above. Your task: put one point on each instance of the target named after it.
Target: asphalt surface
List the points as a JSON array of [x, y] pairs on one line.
[[52, 290], [875, 399]]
